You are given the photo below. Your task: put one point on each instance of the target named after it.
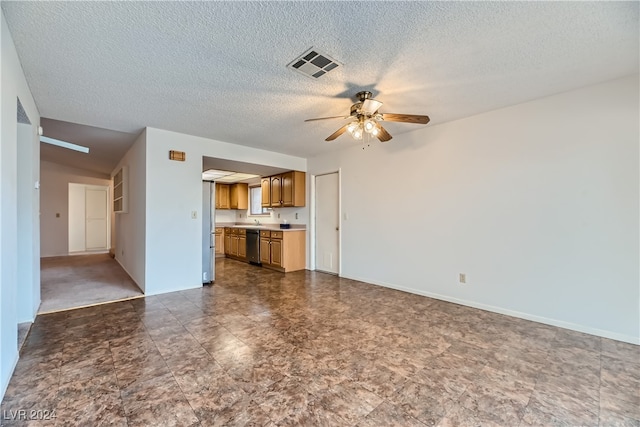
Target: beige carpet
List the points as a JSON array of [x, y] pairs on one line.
[[81, 280]]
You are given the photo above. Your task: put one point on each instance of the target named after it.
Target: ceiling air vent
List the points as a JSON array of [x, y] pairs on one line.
[[314, 64]]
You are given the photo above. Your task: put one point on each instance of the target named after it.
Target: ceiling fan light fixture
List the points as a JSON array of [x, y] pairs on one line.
[[369, 125], [351, 127], [357, 133], [370, 106]]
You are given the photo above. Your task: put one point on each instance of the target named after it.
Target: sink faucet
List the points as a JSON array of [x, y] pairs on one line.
[[257, 222]]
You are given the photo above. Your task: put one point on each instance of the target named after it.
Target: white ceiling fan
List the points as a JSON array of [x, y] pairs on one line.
[[365, 119]]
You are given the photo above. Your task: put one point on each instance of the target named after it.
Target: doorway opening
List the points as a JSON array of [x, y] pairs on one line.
[[87, 274], [27, 207]]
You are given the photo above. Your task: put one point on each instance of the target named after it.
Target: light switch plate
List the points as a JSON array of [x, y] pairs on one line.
[[194, 214]]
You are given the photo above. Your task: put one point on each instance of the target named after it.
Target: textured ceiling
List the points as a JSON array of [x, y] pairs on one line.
[[218, 69]]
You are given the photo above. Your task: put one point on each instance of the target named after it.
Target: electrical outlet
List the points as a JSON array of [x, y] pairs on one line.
[[462, 278]]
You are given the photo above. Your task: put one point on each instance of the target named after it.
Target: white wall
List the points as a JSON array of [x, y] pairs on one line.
[[537, 203], [13, 85], [173, 239], [129, 247], [54, 199], [28, 277]]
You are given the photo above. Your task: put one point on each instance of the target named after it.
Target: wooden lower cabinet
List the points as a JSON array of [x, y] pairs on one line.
[[279, 250], [235, 243], [283, 251], [227, 241], [233, 251], [242, 246], [276, 253], [265, 249], [219, 241]]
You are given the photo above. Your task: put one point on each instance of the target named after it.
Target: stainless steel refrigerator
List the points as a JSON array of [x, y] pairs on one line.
[[208, 232]]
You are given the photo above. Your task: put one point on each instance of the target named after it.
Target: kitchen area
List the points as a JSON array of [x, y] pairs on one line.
[[259, 219]]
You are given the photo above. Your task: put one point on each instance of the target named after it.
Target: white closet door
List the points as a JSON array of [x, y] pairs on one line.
[[96, 211], [76, 218]]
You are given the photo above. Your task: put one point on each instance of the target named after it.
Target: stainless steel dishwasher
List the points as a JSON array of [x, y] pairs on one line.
[[253, 246]]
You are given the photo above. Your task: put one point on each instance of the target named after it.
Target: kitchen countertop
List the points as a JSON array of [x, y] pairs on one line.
[[270, 227]]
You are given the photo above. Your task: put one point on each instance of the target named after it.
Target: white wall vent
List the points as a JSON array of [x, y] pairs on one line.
[[314, 64]]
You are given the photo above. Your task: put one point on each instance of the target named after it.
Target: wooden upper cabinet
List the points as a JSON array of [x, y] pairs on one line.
[[232, 196], [265, 184], [222, 196], [276, 191], [284, 190], [293, 189], [239, 196]]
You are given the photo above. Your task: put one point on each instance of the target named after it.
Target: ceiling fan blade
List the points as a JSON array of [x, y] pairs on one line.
[[407, 118], [327, 118], [383, 135], [370, 106], [337, 133]]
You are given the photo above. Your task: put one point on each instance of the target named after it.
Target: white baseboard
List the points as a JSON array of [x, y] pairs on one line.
[[101, 251], [526, 316]]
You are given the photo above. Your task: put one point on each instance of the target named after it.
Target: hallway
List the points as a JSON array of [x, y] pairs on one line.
[[83, 280]]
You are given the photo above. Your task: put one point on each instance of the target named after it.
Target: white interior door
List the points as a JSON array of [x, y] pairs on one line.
[[96, 218], [327, 223]]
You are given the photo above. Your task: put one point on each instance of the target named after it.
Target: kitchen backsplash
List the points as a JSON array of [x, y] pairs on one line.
[[284, 213], [225, 215]]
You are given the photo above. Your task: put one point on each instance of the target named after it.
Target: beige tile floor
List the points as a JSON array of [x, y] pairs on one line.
[[310, 349]]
